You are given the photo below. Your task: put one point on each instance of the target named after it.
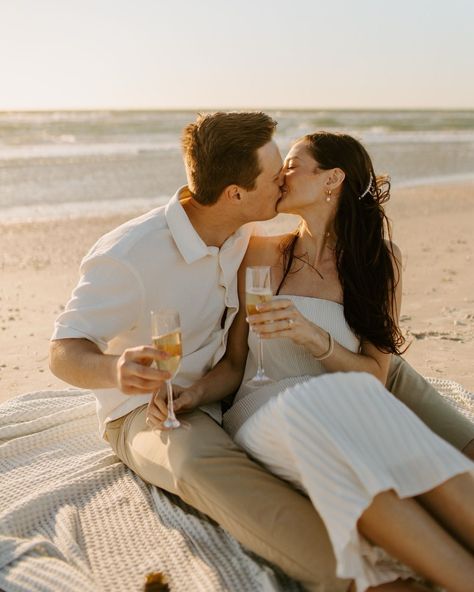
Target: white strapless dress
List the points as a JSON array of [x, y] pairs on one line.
[[340, 437]]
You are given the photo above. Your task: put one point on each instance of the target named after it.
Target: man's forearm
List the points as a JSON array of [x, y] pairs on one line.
[[81, 363], [223, 380]]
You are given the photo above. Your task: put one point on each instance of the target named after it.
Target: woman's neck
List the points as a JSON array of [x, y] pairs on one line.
[[317, 239]]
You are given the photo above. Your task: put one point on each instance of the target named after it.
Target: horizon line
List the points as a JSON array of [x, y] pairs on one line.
[[225, 108]]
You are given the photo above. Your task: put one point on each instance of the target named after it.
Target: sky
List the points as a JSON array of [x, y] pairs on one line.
[[141, 54]]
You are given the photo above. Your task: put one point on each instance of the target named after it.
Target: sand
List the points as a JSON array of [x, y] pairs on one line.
[[434, 227]]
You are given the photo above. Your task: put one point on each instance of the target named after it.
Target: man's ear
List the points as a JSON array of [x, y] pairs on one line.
[[336, 178], [232, 193]]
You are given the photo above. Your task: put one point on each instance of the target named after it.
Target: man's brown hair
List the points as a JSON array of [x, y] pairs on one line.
[[220, 149]]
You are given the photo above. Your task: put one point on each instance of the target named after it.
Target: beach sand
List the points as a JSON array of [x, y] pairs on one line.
[[432, 225]]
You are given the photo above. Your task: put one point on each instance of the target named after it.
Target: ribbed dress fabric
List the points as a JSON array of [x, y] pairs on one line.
[[342, 438], [288, 364]]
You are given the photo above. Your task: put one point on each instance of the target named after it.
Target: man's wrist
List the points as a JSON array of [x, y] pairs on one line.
[[112, 371], [199, 395]]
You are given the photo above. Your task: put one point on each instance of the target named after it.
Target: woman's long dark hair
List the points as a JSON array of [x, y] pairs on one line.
[[365, 263]]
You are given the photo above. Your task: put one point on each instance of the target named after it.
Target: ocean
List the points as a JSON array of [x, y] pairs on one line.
[[74, 163]]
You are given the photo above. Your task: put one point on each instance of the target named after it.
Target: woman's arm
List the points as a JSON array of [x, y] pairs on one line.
[[370, 359], [281, 318]]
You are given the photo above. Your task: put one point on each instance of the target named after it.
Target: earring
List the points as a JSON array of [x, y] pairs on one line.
[[329, 193]]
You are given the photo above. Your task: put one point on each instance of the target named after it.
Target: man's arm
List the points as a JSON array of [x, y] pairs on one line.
[[80, 362], [104, 304]]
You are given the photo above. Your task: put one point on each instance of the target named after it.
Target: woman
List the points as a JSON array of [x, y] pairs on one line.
[[377, 476]]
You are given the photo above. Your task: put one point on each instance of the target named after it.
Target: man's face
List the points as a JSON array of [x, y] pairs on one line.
[[261, 203]]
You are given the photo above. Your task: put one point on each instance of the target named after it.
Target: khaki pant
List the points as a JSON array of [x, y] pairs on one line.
[[207, 470], [431, 407]]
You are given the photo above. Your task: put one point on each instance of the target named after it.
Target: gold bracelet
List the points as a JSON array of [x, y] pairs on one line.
[[329, 351]]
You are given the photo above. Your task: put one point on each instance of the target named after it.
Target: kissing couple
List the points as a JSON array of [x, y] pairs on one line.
[[347, 469]]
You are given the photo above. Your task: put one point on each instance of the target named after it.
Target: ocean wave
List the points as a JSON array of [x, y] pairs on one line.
[[68, 148], [45, 117], [389, 121], [84, 209], [380, 135], [116, 117], [59, 134]]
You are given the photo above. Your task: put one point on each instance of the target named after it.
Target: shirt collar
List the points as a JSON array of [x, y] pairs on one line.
[[189, 243]]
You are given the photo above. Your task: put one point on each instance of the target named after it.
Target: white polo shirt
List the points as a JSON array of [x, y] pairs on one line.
[[157, 260]]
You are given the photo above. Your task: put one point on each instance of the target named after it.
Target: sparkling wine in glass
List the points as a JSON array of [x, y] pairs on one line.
[[258, 289], [166, 337]]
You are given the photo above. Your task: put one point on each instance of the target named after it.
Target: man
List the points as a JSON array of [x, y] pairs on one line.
[[185, 256]]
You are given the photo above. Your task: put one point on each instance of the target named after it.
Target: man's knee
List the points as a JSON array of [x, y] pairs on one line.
[[200, 449]]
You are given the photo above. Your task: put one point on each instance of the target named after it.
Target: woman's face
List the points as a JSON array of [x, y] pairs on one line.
[[305, 183]]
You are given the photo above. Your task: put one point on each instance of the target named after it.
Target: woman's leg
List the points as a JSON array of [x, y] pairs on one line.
[[409, 533], [343, 438], [452, 503]]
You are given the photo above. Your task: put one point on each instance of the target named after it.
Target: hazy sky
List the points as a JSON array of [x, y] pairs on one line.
[[238, 53]]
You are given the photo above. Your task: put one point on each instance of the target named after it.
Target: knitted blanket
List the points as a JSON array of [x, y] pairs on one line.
[[73, 518]]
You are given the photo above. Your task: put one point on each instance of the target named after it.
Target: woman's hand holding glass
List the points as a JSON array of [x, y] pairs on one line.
[[258, 289], [281, 319]]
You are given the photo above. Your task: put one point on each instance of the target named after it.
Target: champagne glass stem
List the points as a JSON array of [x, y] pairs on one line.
[[169, 389], [260, 370], [258, 290]]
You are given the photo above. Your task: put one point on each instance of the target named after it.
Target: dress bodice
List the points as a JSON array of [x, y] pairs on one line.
[[282, 358], [286, 362]]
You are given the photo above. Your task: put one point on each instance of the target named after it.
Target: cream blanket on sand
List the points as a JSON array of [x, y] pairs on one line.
[[73, 518]]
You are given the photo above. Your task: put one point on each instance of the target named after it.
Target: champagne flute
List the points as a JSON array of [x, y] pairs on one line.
[[166, 337], [258, 289]]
